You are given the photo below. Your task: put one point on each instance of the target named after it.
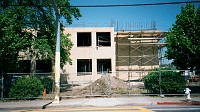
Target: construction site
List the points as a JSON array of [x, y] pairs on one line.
[[137, 52], [108, 61], [115, 50]]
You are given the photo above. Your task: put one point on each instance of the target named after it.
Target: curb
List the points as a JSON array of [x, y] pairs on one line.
[[178, 103]]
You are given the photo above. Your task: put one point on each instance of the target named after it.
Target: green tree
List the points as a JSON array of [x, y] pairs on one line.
[[29, 26], [183, 39]]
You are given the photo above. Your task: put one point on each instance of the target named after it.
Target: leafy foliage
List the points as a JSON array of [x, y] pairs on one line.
[[183, 40], [26, 87], [47, 83], [66, 45], [29, 25], [171, 81], [12, 40], [27, 30]]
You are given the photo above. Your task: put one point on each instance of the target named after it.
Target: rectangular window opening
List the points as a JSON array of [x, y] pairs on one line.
[[43, 66], [84, 39], [104, 66], [103, 39], [84, 66]]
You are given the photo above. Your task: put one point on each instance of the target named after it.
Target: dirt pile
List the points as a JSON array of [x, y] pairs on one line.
[[104, 85]]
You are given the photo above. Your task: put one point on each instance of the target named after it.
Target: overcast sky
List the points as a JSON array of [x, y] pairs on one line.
[[132, 17]]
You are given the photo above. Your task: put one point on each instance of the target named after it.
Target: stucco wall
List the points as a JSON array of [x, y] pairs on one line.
[[92, 52]]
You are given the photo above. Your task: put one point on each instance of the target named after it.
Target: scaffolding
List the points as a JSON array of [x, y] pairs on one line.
[[138, 50]]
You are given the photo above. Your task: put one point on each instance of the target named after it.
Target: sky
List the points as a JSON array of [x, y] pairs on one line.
[[127, 18]]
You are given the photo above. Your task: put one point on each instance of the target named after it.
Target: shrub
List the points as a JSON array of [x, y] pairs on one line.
[[171, 81], [47, 83], [26, 87]]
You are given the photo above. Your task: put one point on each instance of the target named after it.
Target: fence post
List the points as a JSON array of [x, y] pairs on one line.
[[52, 91], [109, 83], [129, 87], [72, 88], [2, 86], [90, 87], [160, 79]]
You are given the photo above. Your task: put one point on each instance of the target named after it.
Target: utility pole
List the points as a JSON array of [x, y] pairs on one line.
[[57, 55]]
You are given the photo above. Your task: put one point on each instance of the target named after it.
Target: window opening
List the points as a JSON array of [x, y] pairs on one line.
[[84, 39], [43, 66], [103, 66], [84, 66], [103, 39], [24, 66]]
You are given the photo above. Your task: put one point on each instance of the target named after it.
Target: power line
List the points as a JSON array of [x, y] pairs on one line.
[[95, 6], [128, 5]]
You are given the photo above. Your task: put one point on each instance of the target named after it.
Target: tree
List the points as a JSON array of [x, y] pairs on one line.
[[183, 39], [29, 26]]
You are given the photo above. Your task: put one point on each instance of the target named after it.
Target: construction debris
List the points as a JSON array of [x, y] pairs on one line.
[[104, 85]]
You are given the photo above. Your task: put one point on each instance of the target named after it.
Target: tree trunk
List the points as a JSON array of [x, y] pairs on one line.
[[33, 66], [53, 66], [33, 62]]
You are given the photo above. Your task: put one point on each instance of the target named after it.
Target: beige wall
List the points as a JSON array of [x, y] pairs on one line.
[[92, 52]]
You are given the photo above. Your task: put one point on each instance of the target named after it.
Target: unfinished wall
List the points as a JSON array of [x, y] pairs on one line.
[[93, 53], [137, 51]]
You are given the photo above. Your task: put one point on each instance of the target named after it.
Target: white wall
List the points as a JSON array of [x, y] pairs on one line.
[[92, 52]]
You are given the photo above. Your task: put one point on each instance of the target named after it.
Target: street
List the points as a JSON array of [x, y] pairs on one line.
[[174, 108], [165, 108], [113, 104]]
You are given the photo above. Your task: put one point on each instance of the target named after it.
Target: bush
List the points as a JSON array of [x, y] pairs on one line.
[[171, 81], [26, 87], [47, 83]]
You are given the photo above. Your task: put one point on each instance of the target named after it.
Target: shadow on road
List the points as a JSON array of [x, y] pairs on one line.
[[45, 106]]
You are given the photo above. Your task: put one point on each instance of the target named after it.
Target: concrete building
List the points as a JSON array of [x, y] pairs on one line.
[[93, 53], [124, 54]]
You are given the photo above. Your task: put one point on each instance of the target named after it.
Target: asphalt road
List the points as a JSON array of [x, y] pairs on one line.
[[174, 108]]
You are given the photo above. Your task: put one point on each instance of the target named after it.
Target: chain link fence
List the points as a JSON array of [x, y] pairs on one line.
[[123, 83]]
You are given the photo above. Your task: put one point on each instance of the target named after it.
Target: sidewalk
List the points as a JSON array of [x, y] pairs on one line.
[[102, 102]]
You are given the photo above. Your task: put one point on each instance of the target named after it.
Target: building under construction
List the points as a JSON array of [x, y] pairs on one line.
[[126, 54], [137, 52]]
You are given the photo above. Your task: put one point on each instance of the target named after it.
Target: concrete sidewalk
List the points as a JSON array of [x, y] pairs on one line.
[[101, 102]]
